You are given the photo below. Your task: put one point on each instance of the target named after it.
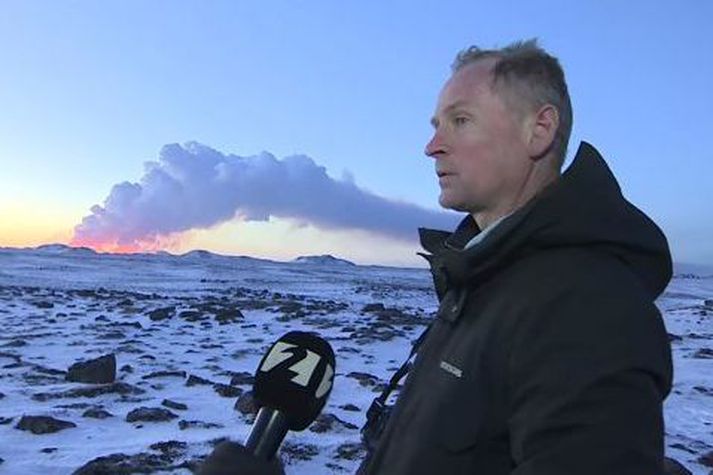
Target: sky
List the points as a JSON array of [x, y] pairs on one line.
[[122, 105]]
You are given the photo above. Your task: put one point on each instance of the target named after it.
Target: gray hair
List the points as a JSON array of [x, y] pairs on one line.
[[535, 76]]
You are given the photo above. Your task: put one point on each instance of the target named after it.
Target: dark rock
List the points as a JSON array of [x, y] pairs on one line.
[[174, 405], [2, 395], [5, 420], [123, 389], [290, 307], [150, 414], [703, 390], [127, 368], [375, 332], [327, 422], [227, 391], [672, 337], [246, 404], [373, 307], [34, 379], [172, 448], [673, 467], [112, 335], [191, 316], [97, 371], [162, 313], [197, 380], [335, 467], [228, 316], [51, 371], [183, 425], [680, 446], [136, 325], [395, 316], [75, 405], [290, 316], [211, 346], [349, 349], [254, 304], [697, 336], [240, 353], [163, 374], [242, 378], [351, 451], [349, 407], [706, 459], [86, 293], [123, 348], [44, 304], [96, 413], [15, 344], [217, 441], [49, 450], [365, 379], [11, 356], [43, 424], [321, 322], [704, 353], [292, 451], [101, 318], [122, 464]]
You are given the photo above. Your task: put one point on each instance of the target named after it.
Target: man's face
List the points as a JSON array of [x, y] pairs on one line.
[[478, 144]]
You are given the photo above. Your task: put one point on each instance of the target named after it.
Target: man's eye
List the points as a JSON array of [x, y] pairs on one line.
[[460, 120]]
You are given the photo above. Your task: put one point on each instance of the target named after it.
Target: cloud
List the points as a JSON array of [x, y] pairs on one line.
[[195, 187]]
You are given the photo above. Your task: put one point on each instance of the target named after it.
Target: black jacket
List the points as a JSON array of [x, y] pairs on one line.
[[548, 355]]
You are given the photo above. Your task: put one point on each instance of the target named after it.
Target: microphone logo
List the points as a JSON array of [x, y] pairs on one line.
[[295, 377], [301, 361]]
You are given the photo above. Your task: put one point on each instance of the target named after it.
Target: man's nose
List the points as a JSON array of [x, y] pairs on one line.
[[435, 146]]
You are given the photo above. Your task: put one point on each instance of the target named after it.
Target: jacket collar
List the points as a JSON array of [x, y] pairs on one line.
[[584, 207]]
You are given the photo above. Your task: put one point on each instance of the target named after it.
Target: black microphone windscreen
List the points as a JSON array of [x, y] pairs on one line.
[[296, 377]]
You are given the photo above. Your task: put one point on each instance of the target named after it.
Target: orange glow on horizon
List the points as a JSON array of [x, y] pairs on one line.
[[159, 243], [277, 239]]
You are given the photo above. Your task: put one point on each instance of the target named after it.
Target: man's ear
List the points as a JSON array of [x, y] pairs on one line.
[[543, 128]]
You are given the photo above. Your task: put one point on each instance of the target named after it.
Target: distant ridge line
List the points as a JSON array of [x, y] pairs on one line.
[[194, 254]]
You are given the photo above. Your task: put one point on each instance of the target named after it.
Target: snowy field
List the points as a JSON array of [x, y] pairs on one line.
[[187, 333]]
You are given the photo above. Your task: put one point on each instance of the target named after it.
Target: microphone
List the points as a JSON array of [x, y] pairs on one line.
[[292, 384]]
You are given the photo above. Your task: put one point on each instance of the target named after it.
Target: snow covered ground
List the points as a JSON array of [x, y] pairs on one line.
[[191, 330]]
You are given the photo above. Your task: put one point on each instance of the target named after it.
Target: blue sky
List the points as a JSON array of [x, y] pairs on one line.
[[90, 91]]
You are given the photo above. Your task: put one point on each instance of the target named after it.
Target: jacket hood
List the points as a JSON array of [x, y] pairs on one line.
[[583, 207]]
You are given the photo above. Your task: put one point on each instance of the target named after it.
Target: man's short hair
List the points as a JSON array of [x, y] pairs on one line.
[[535, 77]]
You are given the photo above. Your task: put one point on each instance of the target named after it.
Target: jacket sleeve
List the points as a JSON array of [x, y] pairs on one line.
[[588, 372]]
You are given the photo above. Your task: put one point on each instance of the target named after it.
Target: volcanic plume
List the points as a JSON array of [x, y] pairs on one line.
[[192, 186]]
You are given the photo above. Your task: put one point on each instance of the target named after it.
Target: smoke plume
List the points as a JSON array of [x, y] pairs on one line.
[[193, 187]]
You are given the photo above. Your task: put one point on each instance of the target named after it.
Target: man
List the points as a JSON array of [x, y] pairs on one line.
[[548, 355]]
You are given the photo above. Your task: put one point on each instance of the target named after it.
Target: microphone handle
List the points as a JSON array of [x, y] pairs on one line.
[[267, 434]]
